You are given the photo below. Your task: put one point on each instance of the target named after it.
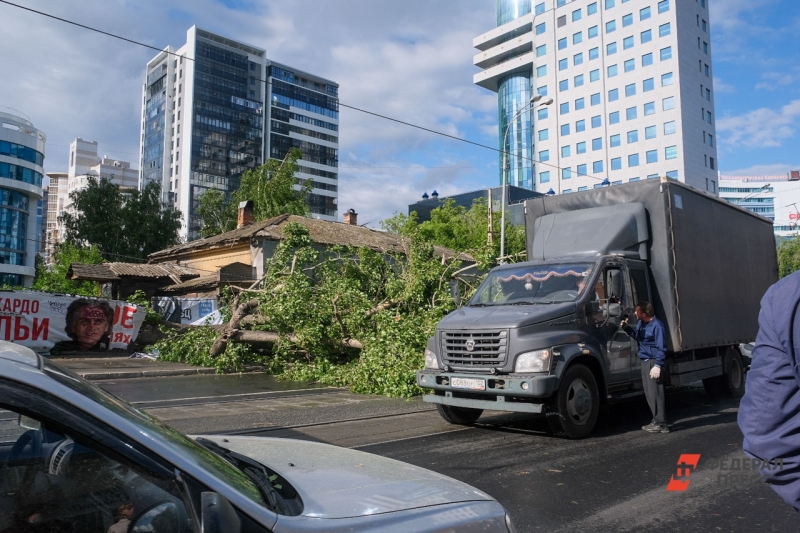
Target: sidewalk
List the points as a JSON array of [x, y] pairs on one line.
[[123, 367]]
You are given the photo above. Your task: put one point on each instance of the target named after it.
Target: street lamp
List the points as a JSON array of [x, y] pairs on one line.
[[532, 101]]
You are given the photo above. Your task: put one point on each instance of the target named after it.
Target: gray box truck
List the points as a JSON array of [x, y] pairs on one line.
[[544, 336]]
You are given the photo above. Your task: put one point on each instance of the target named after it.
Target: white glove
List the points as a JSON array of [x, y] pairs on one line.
[[623, 324], [655, 372]]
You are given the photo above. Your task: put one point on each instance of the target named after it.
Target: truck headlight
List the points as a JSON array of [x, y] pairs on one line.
[[536, 361], [430, 360]]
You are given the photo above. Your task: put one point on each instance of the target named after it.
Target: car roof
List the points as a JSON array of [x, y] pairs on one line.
[[19, 354]]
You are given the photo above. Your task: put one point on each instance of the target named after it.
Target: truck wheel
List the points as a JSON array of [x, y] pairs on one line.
[[573, 409], [730, 384], [463, 416]]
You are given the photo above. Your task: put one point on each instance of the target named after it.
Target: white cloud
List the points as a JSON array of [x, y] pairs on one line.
[[777, 169], [722, 87], [772, 81], [760, 128]]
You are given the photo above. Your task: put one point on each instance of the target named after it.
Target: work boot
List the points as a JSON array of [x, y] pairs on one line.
[[652, 427]]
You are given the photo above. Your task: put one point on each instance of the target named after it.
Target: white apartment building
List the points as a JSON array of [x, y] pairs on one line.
[[774, 197], [21, 171], [52, 228], [215, 108], [631, 84]]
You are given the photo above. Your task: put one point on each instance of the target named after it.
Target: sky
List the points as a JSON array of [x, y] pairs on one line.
[[409, 59]]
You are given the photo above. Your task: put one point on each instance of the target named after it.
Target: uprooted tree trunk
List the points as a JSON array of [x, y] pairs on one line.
[[240, 311]]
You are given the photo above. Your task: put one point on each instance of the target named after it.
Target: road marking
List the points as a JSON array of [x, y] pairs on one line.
[[243, 394]]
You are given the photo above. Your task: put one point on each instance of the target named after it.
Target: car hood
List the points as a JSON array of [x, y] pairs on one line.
[[336, 482], [504, 316]]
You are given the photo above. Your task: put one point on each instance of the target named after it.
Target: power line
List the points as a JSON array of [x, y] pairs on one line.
[[160, 50]]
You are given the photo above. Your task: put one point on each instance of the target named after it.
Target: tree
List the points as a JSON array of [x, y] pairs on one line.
[[789, 256], [270, 187], [123, 227], [54, 279]]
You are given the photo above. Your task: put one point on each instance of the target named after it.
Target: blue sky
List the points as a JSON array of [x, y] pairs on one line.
[[411, 60]]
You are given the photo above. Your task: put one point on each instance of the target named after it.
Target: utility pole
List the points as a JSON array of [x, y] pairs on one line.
[[491, 222]]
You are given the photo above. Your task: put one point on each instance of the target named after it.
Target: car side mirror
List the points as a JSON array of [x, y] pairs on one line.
[[592, 307], [613, 310], [162, 517], [218, 515], [29, 423]]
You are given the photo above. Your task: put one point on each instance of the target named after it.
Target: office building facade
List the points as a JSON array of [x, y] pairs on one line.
[[22, 149], [774, 197], [631, 84], [205, 120]]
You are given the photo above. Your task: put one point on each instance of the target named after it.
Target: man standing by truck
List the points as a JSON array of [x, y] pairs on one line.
[[649, 333]]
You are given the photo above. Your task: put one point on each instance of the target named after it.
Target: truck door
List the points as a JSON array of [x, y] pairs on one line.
[[640, 294], [615, 308]]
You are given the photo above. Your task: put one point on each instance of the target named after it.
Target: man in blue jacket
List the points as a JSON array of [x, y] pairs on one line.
[[650, 335], [769, 413]]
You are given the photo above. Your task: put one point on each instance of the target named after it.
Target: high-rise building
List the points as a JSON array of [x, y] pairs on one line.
[[627, 101], [55, 204], [205, 121], [774, 197], [21, 159]]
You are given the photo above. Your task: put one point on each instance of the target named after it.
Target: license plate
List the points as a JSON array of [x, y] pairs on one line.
[[467, 383]]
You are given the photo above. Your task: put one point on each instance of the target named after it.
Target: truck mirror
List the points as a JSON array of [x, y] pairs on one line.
[[613, 310], [615, 283]]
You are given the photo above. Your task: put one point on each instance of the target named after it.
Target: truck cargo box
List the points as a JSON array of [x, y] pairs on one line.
[[710, 261]]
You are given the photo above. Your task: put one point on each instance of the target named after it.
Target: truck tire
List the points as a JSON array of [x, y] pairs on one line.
[[572, 411], [463, 416], [731, 383]]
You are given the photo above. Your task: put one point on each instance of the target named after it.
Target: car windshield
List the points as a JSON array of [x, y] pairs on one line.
[[533, 284], [211, 462]]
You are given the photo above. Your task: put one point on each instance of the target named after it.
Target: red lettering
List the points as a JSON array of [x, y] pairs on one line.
[[127, 316], [41, 328], [7, 306], [794, 216], [117, 337], [26, 307], [126, 339], [21, 331], [35, 307], [8, 325]]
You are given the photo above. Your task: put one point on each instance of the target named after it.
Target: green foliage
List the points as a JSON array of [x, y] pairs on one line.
[[124, 227], [54, 278], [270, 187], [140, 298], [789, 256]]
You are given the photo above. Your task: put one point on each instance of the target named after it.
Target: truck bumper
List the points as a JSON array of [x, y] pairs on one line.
[[516, 393]]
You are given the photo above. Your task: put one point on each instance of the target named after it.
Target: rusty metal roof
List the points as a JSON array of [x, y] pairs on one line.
[[117, 271]]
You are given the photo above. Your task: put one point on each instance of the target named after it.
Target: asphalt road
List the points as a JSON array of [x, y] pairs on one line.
[[613, 481]]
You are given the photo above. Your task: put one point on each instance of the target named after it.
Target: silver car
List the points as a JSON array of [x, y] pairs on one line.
[[75, 458]]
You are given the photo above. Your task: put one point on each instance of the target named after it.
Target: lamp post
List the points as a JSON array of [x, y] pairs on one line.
[[532, 101]]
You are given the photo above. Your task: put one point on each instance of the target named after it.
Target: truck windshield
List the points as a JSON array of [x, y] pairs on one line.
[[533, 284]]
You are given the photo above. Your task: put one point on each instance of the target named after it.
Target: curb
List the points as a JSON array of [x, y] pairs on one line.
[[98, 376]]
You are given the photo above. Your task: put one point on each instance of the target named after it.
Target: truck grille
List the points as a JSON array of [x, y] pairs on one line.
[[489, 348]]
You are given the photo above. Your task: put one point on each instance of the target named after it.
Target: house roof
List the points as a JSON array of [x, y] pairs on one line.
[[105, 272], [320, 231]]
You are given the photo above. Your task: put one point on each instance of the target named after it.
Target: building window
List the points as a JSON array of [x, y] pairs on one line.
[[648, 85], [666, 79], [649, 108], [544, 134], [613, 118], [577, 59], [664, 30], [644, 13], [581, 170], [541, 28], [541, 50], [594, 75], [630, 65], [542, 113], [630, 90], [609, 4], [627, 42], [563, 85], [592, 32], [580, 148], [565, 151], [633, 160], [580, 126], [651, 156], [668, 103], [576, 15], [597, 121], [541, 71], [577, 37], [671, 152], [647, 60], [539, 9], [544, 155], [542, 90], [597, 144], [647, 36], [594, 53], [563, 109], [597, 167], [580, 103], [669, 127], [566, 173], [544, 177], [708, 117], [561, 21], [708, 72], [595, 99], [591, 9], [613, 95], [627, 20], [614, 141], [563, 64], [562, 43], [652, 176], [663, 6], [705, 47], [564, 130], [252, 80], [582, 188], [710, 140], [630, 113], [650, 132], [616, 163], [633, 136], [711, 163], [611, 26], [672, 174], [666, 53], [611, 49], [612, 71], [705, 26], [708, 94], [578, 80]]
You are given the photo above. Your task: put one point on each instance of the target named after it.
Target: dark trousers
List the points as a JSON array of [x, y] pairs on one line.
[[654, 392]]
